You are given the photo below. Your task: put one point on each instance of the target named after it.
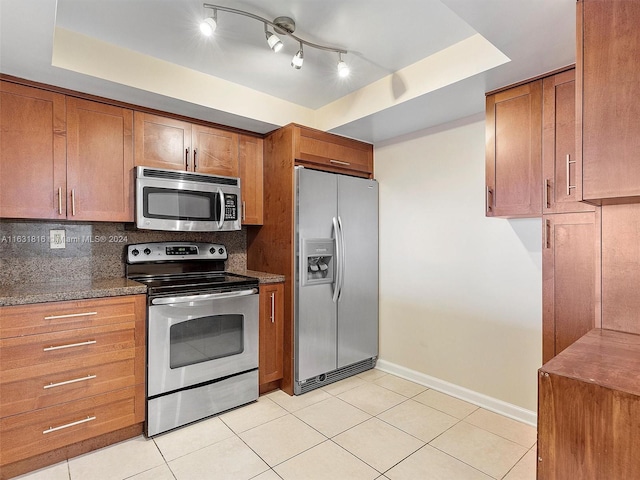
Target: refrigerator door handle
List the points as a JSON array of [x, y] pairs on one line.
[[342, 257], [336, 282]]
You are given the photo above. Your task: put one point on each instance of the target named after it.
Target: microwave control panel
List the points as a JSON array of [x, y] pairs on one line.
[[230, 207]]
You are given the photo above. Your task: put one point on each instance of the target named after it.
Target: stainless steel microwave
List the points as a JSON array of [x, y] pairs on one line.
[[186, 202]]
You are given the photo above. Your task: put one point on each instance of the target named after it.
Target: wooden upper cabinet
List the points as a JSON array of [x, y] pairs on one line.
[[99, 162], [32, 153], [561, 172], [214, 151], [333, 153], [162, 142], [608, 40], [571, 279], [250, 164], [513, 152]]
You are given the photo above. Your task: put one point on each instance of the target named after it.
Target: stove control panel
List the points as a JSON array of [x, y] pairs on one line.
[[167, 251]]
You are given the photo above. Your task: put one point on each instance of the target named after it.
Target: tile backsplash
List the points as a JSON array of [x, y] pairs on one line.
[[92, 250]]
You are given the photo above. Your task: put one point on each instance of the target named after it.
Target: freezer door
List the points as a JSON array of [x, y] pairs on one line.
[[315, 312], [358, 303]]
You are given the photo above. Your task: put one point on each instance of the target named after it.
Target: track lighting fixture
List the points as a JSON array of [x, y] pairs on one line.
[[273, 40], [298, 58], [343, 68], [282, 25], [209, 24]]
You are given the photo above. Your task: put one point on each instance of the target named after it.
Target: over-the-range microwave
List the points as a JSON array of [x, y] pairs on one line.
[[186, 202]]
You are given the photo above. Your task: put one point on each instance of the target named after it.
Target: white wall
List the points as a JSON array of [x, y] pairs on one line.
[[460, 294]]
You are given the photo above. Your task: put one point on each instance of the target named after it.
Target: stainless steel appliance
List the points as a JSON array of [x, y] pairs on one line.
[[202, 332], [187, 202], [336, 289]]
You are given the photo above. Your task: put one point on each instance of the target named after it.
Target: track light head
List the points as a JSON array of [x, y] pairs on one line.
[[343, 68], [274, 42], [209, 24], [298, 58]]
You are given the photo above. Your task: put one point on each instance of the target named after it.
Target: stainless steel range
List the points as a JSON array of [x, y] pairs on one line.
[[202, 332]]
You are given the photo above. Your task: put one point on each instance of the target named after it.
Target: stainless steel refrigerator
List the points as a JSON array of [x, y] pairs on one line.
[[336, 288]]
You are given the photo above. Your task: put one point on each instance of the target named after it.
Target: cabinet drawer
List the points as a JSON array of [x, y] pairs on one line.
[[334, 152], [71, 345], [28, 389], [58, 316], [51, 428]]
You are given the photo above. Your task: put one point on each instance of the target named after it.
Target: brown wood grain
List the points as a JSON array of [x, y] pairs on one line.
[[215, 151], [162, 142], [589, 409], [250, 165], [514, 152], [608, 54], [271, 333], [571, 283], [559, 146], [33, 153], [99, 162]]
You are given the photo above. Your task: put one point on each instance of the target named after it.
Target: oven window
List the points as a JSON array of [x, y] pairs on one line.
[[175, 204], [206, 338]]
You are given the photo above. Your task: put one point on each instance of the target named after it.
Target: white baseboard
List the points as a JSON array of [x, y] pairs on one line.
[[498, 406]]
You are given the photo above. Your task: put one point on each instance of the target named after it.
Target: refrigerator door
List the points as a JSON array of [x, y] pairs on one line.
[[315, 311], [358, 302]]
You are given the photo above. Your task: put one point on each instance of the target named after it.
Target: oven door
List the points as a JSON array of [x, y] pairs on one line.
[[200, 338]]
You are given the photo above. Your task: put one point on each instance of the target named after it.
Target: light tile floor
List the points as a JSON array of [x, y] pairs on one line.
[[371, 426]]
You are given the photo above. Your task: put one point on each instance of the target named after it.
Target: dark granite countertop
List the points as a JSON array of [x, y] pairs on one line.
[[26, 293]]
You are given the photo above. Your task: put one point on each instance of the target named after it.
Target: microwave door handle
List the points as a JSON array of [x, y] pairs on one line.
[[201, 298], [221, 218]]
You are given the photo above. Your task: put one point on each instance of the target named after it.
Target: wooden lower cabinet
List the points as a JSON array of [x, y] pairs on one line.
[[271, 334], [589, 409], [571, 279], [69, 371]]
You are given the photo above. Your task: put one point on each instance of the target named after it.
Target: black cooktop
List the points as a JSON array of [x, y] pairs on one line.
[[195, 283]]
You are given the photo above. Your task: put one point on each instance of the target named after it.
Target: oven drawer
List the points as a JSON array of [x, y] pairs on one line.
[[70, 346], [28, 389], [55, 427], [60, 316]]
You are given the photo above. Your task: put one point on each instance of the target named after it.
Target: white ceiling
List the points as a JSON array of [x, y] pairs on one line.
[[415, 63]]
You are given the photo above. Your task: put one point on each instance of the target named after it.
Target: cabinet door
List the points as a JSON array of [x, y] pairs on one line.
[[32, 153], [271, 332], [333, 153], [162, 142], [607, 61], [250, 167], [215, 151], [99, 162], [571, 285], [513, 155], [560, 170]]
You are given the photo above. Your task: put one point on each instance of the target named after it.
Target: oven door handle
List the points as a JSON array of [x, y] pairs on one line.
[[201, 298]]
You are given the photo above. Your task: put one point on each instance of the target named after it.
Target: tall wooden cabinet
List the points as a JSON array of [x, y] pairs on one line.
[[513, 152], [270, 248], [608, 40]]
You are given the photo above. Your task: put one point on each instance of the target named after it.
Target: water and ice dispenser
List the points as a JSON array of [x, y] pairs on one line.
[[317, 261]]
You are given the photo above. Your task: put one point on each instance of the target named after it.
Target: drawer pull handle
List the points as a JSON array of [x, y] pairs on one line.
[[71, 315], [338, 162], [67, 382], [70, 345], [72, 424]]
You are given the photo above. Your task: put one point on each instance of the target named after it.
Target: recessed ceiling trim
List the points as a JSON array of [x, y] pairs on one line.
[[462, 60], [89, 56]]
